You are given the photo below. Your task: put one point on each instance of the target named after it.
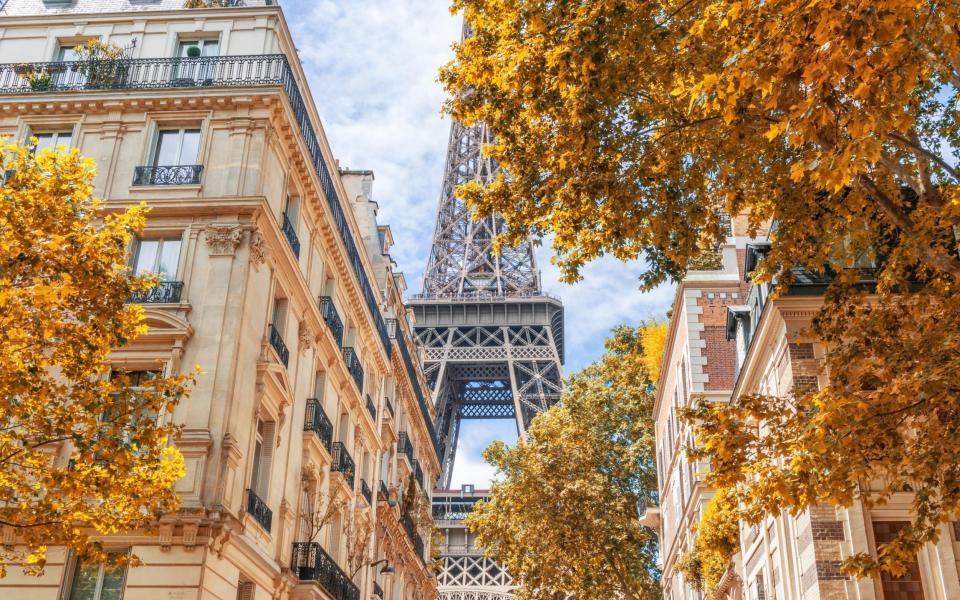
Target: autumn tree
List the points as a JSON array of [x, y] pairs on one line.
[[561, 516], [84, 450], [630, 128]]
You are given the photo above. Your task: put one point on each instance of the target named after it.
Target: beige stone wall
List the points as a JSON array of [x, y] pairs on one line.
[[234, 262]]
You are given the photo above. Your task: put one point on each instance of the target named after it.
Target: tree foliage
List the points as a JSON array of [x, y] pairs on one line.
[[628, 126], [64, 282], [561, 516], [717, 540]]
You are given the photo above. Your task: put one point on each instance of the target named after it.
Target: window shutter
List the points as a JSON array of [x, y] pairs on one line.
[[245, 590], [266, 459]]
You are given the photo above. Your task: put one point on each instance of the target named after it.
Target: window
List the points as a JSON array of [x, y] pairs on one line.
[[99, 581], [279, 318], [66, 53], [292, 210], [176, 147], [262, 458], [159, 257], [53, 139], [203, 48]]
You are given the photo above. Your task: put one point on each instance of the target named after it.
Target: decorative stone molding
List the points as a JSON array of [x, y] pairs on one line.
[[306, 337], [165, 536], [258, 249], [190, 535], [223, 238], [9, 536]]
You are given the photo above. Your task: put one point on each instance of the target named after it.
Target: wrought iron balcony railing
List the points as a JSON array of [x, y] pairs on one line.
[[417, 391], [343, 463], [317, 422], [415, 538], [165, 292], [312, 563], [354, 367], [276, 342], [371, 409], [290, 232], [259, 510], [332, 318], [366, 492], [389, 405], [404, 446], [418, 474], [167, 175], [382, 492], [217, 71]]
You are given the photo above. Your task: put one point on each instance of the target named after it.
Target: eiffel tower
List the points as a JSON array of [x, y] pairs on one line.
[[491, 344]]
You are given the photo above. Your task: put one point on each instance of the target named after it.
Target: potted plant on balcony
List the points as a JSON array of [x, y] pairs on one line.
[[100, 63], [38, 80]]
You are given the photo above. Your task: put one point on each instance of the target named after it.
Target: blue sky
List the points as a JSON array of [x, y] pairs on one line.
[[372, 68]]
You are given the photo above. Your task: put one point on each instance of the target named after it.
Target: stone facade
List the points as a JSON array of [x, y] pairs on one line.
[[278, 284], [767, 350]]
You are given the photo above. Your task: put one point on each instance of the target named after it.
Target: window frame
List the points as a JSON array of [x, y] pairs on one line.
[[161, 240], [181, 133], [76, 565]]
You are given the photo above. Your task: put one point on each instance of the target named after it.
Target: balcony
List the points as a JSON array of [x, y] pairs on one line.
[[343, 463], [168, 175], [411, 369], [366, 492], [276, 342], [218, 71], [353, 366], [415, 538], [165, 292], [382, 492], [291, 234], [386, 402], [371, 409], [405, 447], [418, 474], [311, 563], [317, 422], [259, 510], [332, 319]]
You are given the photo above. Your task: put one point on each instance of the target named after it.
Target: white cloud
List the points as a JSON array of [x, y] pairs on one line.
[[372, 67]]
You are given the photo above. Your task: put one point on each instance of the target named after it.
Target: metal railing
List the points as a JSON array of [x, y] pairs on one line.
[[165, 292], [259, 510], [209, 72], [167, 175], [418, 474], [418, 391], [485, 296], [382, 492], [317, 422], [332, 318], [276, 341], [405, 446], [312, 563], [371, 409], [411, 530], [389, 405], [353, 366], [366, 492], [291, 234], [343, 463]]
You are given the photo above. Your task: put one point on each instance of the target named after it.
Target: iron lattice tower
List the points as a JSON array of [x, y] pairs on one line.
[[490, 340]]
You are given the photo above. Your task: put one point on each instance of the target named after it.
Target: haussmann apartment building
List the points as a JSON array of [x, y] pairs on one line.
[[729, 338], [276, 279]]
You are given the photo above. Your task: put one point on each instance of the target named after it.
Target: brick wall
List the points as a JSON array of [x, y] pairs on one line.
[[720, 354]]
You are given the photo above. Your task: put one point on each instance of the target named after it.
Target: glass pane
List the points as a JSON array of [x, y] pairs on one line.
[[167, 145], [146, 256], [293, 209], [169, 257], [184, 47], [84, 585], [113, 578], [66, 53], [255, 475], [44, 141], [191, 147], [210, 48]]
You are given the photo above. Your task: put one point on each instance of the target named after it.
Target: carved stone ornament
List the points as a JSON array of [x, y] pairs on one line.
[[258, 248], [165, 536], [223, 238], [306, 337], [190, 535]]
